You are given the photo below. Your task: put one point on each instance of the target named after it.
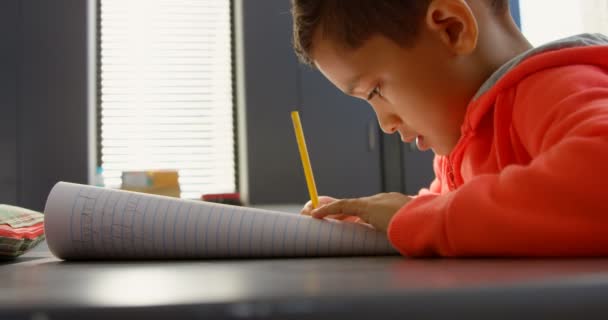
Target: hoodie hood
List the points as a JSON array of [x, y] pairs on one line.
[[589, 49]]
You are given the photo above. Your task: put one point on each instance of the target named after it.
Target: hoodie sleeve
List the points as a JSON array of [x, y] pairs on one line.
[[556, 205]]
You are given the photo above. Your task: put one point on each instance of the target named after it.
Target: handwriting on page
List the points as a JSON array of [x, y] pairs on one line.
[[111, 223]]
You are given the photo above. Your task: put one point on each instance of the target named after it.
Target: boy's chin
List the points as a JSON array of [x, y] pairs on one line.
[[441, 151]]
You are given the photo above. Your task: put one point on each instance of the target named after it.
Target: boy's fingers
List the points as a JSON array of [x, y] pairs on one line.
[[323, 200], [307, 208], [351, 207], [338, 217], [346, 218]]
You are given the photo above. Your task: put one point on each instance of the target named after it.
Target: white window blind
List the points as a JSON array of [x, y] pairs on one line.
[[543, 21], [166, 91]]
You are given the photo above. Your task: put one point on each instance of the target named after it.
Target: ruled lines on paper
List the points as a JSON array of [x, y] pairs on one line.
[[106, 223]]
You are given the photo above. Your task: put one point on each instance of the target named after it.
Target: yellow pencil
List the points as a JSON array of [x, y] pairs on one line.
[[310, 179]]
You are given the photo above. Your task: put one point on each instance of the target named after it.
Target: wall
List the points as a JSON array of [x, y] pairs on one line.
[[8, 101], [44, 98]]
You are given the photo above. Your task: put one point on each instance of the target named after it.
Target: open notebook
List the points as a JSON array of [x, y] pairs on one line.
[[85, 222]]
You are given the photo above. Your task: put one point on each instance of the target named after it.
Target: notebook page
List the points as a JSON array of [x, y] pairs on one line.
[[98, 223]]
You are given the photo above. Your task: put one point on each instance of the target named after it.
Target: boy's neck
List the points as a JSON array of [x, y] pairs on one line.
[[501, 44]]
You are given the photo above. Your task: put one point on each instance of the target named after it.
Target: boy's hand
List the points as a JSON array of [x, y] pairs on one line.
[[325, 200], [376, 210]]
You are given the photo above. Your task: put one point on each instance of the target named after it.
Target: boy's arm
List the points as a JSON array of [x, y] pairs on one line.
[[557, 205]]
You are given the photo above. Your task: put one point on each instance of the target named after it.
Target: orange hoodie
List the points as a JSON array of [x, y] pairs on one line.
[[529, 175]]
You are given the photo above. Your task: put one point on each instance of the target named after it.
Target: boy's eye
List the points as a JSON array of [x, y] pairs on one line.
[[374, 92]]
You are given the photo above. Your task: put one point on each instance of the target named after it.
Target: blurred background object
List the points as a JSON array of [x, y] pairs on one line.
[[543, 21], [161, 182]]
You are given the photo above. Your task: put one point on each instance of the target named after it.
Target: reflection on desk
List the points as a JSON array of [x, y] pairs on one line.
[[39, 285]]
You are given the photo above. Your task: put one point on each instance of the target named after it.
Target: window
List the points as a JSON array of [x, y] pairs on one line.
[[165, 93], [547, 20]]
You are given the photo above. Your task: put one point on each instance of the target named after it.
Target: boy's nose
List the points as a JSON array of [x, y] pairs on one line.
[[388, 121], [388, 129], [388, 125]]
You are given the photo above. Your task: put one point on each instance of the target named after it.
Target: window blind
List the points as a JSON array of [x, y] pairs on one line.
[[567, 18], [166, 91]]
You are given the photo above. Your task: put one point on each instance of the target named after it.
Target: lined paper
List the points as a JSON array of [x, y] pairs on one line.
[[86, 222]]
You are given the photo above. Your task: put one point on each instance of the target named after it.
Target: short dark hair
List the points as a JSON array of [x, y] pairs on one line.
[[350, 22]]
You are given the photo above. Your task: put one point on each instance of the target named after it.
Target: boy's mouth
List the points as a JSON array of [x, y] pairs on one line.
[[421, 143], [407, 139]]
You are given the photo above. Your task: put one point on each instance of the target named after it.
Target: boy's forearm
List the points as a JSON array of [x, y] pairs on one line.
[[534, 210]]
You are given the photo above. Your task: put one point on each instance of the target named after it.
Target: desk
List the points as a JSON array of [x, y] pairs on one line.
[[38, 286]]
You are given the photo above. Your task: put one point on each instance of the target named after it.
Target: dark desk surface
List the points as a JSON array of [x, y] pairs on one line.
[[38, 286]]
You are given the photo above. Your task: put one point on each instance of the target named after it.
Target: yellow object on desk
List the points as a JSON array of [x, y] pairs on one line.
[[310, 179], [161, 182]]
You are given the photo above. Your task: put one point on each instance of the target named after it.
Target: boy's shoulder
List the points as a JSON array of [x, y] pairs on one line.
[[561, 81], [553, 93], [553, 102]]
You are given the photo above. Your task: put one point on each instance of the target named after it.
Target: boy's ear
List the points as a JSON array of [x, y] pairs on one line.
[[455, 23]]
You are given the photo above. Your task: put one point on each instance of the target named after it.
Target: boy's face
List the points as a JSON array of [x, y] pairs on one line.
[[420, 92]]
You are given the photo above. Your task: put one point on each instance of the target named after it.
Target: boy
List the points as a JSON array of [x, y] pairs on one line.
[[520, 134]]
